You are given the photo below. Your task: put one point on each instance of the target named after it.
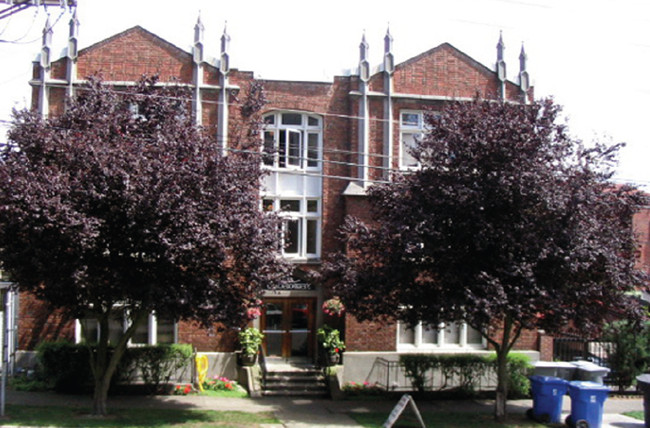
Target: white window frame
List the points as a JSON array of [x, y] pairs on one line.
[[303, 216], [280, 156], [152, 330], [411, 131], [440, 343]]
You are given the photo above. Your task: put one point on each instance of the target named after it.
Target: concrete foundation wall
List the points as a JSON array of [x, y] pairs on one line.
[[222, 364], [383, 369]]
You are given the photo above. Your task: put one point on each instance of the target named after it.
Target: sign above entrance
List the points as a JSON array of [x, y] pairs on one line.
[[295, 286]]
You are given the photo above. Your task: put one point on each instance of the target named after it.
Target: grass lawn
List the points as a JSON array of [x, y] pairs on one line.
[[236, 393], [158, 418], [636, 415], [446, 420]]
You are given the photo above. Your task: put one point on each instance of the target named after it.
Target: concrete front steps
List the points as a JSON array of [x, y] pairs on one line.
[[293, 378]]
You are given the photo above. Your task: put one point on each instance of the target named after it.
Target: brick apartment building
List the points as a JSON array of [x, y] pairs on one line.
[[328, 142]]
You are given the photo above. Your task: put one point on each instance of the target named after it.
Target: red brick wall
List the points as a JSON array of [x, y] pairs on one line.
[[59, 69], [214, 339], [129, 55], [57, 101], [529, 339], [545, 347], [369, 336], [39, 322], [444, 71], [641, 223]]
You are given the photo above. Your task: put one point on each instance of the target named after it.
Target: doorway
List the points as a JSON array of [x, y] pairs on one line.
[[288, 327]]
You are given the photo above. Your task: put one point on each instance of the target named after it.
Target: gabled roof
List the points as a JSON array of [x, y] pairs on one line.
[[446, 46], [135, 29]]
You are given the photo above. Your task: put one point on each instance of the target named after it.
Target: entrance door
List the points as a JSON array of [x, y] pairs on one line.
[[288, 327]]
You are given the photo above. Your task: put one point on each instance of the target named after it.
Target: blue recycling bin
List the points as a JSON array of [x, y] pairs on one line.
[[587, 399], [548, 392]]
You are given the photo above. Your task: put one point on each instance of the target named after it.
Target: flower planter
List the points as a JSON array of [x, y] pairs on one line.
[[247, 360], [332, 359]]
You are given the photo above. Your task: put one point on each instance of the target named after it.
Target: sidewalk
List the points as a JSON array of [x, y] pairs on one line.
[[307, 412]]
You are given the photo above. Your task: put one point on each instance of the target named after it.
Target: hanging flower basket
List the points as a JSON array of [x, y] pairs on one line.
[[333, 307]]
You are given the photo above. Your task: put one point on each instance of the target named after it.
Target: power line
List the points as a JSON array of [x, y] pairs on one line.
[[299, 158], [29, 30]]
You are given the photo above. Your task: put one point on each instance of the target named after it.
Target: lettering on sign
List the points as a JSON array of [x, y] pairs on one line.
[[295, 286]]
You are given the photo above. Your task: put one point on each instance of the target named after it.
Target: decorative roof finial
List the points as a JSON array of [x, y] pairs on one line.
[[73, 36], [199, 30], [500, 47], [388, 40], [225, 38], [363, 48], [47, 32], [74, 25], [224, 63], [524, 78]]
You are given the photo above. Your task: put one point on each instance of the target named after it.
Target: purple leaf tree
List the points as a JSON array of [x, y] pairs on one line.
[[122, 202]]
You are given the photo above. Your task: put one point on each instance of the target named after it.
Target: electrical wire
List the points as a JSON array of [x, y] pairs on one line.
[[29, 30], [316, 174]]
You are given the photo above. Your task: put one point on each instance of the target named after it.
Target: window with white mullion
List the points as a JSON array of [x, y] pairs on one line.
[[301, 225], [293, 149], [313, 146], [412, 129], [152, 331], [292, 140], [445, 335]]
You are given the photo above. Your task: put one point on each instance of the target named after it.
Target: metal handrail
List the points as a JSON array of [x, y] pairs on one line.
[[262, 360]]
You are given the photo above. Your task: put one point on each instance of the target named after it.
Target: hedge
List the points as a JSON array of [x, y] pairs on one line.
[[463, 372], [66, 366]]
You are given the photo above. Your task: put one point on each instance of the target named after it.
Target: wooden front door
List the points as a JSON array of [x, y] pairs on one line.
[[288, 327]]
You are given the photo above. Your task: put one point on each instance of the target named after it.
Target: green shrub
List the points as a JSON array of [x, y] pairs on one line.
[[628, 346], [66, 367], [464, 372], [466, 369], [416, 367], [157, 364], [519, 369], [22, 382]]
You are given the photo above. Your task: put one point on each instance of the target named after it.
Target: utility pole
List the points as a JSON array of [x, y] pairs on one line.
[[5, 349]]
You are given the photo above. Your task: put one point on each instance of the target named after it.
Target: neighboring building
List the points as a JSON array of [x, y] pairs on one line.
[[324, 143]]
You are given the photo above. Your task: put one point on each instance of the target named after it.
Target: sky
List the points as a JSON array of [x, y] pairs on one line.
[[591, 56]]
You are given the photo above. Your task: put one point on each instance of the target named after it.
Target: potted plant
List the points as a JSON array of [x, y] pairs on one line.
[[333, 345], [250, 340]]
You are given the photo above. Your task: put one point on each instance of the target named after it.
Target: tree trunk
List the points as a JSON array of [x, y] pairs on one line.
[[507, 340], [104, 364], [501, 401], [100, 396], [511, 331]]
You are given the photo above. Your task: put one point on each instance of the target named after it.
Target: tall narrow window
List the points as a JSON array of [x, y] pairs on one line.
[[411, 130]]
